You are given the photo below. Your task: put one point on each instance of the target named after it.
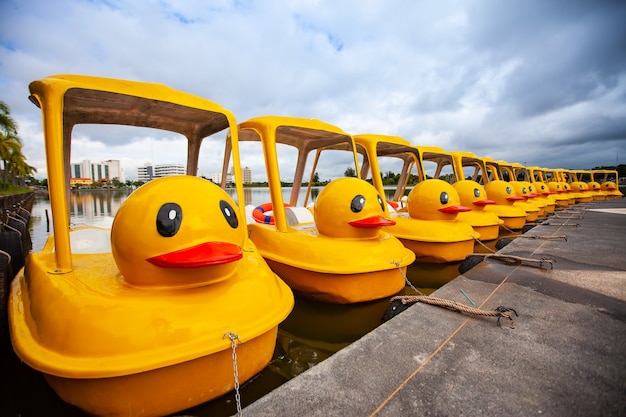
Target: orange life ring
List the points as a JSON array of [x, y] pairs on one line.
[[258, 214]]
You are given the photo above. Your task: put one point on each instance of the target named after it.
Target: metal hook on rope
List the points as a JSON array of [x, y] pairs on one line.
[[505, 312], [234, 339]]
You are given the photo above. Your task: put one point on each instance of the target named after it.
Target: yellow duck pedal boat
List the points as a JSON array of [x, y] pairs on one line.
[[340, 253], [431, 228], [141, 319], [501, 192], [484, 222], [427, 223]]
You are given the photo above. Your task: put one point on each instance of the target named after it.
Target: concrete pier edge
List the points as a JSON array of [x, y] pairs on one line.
[[565, 355]]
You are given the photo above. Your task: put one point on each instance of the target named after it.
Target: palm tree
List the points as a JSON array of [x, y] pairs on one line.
[[13, 161], [7, 124]]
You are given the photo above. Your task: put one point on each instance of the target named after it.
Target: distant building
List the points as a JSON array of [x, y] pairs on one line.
[[217, 177], [98, 171], [149, 172], [246, 173], [145, 173], [165, 170]]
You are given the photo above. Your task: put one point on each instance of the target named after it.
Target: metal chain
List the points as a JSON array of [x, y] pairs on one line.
[[397, 264], [234, 338]]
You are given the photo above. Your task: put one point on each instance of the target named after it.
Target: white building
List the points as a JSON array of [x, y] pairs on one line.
[[246, 173], [149, 172], [145, 173], [217, 177], [98, 171], [165, 170]]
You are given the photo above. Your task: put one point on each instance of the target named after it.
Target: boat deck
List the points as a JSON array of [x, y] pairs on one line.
[[565, 354]]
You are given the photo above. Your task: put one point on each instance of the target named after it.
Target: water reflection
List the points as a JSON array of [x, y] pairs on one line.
[[87, 206]]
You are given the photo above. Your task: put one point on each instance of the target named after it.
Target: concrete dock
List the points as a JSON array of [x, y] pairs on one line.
[[564, 355]]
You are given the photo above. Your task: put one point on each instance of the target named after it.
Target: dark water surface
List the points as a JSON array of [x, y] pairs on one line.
[[311, 333]]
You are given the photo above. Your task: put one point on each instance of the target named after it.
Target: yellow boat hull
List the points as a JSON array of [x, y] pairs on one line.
[[437, 241], [341, 288], [334, 270], [116, 350], [167, 390], [439, 252], [514, 218], [489, 232], [485, 223]]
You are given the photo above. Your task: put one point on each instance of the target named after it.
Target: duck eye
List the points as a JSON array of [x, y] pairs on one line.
[[443, 198], [524, 191], [357, 204], [476, 192], [229, 214], [558, 187], [168, 219], [508, 190], [380, 201]]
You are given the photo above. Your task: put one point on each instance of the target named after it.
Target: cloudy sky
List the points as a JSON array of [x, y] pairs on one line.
[[531, 81]]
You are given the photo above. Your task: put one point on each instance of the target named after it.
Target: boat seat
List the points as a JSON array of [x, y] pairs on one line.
[[299, 216], [90, 240]]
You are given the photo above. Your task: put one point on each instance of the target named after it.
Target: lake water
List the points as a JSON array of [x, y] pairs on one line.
[[311, 333]]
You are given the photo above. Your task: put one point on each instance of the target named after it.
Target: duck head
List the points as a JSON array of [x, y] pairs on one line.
[[543, 189], [434, 199], [523, 189], [579, 186], [472, 194], [350, 208], [594, 186], [608, 186], [556, 187], [502, 192], [177, 232]]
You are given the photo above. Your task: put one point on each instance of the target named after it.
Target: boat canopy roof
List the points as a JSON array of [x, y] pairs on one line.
[[375, 146], [67, 100], [302, 133], [305, 135]]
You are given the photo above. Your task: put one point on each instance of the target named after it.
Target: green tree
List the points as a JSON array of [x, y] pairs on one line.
[[14, 166], [349, 172]]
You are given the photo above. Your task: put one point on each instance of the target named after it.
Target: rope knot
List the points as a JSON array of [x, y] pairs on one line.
[[505, 312]]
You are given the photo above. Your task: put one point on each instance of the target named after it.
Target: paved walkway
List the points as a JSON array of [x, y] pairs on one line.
[[565, 355]]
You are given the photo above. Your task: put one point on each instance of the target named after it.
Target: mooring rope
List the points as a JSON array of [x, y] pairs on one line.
[[507, 229], [482, 244], [560, 224], [564, 237], [499, 312], [516, 258]]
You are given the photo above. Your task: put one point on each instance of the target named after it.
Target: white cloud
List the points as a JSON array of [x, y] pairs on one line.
[[508, 80]]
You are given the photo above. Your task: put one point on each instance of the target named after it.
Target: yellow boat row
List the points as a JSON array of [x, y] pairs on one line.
[[145, 315]]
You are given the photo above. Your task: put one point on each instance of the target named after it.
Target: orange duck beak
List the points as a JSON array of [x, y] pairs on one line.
[[516, 198], [454, 209], [205, 254], [372, 222], [484, 202]]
